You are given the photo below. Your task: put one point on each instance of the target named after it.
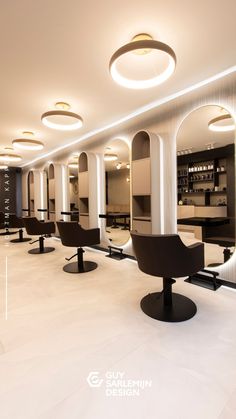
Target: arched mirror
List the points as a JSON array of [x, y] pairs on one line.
[[51, 193], [206, 182], [31, 205], [73, 189], [117, 184]]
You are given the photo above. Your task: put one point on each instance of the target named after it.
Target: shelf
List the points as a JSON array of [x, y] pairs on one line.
[[221, 172], [201, 180], [203, 192], [201, 171]]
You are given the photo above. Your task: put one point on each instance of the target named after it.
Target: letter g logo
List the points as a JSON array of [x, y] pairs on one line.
[[94, 380]]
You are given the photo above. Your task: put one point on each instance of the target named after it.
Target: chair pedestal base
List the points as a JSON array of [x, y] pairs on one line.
[[74, 268], [21, 239], [181, 309], [25, 239], [8, 233], [38, 251]]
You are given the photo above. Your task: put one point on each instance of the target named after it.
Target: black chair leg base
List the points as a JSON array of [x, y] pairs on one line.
[[37, 251], [26, 239], [182, 307], [73, 267], [8, 233]]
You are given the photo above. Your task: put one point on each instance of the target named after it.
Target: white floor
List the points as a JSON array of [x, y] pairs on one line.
[[62, 327]]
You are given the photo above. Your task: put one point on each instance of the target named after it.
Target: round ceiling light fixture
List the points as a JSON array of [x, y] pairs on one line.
[[110, 157], [61, 118], [27, 144], [222, 123], [143, 47], [10, 157]]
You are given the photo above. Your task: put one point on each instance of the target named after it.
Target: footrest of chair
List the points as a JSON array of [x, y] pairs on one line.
[[115, 253], [205, 278]]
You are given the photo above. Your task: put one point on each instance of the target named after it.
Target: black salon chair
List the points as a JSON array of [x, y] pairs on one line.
[[166, 256], [73, 235], [4, 225], [35, 228], [17, 222]]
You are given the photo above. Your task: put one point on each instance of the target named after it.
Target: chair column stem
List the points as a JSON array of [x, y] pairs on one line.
[[21, 235], [41, 244], [80, 252], [167, 294], [227, 254]]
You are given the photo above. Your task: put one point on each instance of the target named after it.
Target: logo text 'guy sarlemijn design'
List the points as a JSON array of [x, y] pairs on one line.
[[116, 384]]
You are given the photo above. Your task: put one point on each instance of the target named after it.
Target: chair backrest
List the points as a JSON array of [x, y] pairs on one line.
[[36, 228], [166, 255], [73, 235], [32, 225], [15, 222]]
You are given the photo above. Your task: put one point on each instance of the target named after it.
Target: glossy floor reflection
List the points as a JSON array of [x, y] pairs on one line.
[[62, 327]]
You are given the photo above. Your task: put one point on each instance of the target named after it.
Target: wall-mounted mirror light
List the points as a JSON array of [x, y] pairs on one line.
[[117, 193], [206, 183]]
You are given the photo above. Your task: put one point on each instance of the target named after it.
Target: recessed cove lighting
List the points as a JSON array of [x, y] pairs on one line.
[[3, 167], [61, 119], [149, 54], [25, 144], [10, 158], [110, 157], [222, 123]]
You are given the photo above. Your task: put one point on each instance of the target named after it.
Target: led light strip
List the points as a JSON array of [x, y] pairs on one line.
[[136, 113]]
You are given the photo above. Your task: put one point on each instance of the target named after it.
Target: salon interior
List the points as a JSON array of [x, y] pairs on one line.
[[117, 210]]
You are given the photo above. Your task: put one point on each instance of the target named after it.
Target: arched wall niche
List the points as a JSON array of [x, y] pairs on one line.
[[147, 183], [31, 201]]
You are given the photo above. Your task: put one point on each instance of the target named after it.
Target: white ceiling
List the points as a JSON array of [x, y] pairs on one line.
[[55, 50], [195, 134]]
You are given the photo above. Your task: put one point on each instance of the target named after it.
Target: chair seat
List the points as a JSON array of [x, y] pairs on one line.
[[221, 241]]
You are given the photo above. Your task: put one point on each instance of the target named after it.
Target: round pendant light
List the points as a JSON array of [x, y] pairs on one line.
[[142, 45], [110, 157], [222, 123], [3, 167], [61, 118], [25, 144], [10, 157]]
